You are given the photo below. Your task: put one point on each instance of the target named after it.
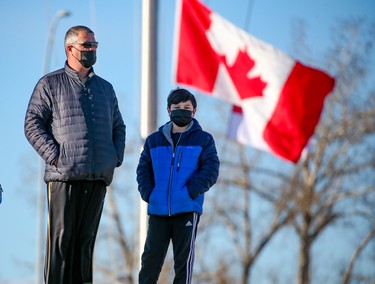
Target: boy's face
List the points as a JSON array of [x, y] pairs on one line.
[[183, 105]]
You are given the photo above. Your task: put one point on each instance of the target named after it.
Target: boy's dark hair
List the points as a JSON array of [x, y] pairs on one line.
[[181, 95]]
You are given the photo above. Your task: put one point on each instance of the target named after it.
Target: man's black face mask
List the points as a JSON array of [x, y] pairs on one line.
[[88, 57]]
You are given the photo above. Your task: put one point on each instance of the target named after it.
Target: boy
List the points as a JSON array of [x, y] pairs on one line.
[[178, 164]]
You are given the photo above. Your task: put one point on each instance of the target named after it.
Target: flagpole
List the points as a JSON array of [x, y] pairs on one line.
[[148, 93]]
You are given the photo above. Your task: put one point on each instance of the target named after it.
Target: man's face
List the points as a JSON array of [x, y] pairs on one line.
[[85, 42]]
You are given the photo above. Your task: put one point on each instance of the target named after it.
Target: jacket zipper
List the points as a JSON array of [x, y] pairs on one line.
[[169, 185], [170, 176], [89, 97]]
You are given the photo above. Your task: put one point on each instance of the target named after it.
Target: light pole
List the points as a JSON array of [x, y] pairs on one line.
[[51, 36], [41, 192]]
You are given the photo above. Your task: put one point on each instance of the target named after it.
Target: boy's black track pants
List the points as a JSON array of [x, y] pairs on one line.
[[182, 230]]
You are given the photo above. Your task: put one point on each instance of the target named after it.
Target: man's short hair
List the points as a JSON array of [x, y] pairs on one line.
[[72, 34], [180, 95]]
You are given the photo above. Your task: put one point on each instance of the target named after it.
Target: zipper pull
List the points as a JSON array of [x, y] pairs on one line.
[[179, 160], [172, 158]]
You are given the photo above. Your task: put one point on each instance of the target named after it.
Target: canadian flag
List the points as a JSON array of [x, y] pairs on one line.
[[278, 100]]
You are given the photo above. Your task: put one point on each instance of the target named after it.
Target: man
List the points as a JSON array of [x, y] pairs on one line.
[[178, 164], [74, 123]]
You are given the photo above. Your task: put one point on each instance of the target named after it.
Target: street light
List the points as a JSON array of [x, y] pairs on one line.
[[41, 201], [60, 14]]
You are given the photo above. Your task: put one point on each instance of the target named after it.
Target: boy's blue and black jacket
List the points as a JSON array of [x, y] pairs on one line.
[[172, 179]]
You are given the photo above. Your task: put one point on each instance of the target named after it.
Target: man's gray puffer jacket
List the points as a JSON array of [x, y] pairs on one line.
[[78, 125]]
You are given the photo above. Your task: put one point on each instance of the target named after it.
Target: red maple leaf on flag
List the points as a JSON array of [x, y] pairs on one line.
[[246, 87]]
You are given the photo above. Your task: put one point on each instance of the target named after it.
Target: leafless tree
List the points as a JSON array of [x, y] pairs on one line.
[[368, 215], [338, 167], [117, 246], [334, 174], [228, 218]]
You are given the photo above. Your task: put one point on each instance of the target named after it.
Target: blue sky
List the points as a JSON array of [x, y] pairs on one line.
[[24, 27]]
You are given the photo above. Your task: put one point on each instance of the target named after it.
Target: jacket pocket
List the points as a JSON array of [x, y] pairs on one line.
[[63, 154]]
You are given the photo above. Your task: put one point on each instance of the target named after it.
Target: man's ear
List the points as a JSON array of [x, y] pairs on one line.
[[194, 111]]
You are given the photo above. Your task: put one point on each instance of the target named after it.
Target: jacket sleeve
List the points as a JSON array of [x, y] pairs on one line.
[[37, 123], [208, 170], [145, 173], [119, 132]]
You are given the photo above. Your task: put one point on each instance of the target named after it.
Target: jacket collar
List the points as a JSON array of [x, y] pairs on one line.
[[74, 74], [166, 129]]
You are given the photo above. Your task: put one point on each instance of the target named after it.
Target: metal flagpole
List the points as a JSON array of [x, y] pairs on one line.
[[148, 92]]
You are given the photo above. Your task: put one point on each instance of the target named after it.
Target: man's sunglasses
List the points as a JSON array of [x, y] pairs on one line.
[[88, 44]]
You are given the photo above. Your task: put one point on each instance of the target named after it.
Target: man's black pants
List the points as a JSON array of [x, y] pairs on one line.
[[74, 211], [182, 230]]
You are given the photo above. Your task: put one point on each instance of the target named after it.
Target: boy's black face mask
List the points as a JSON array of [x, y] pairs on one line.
[[181, 117]]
